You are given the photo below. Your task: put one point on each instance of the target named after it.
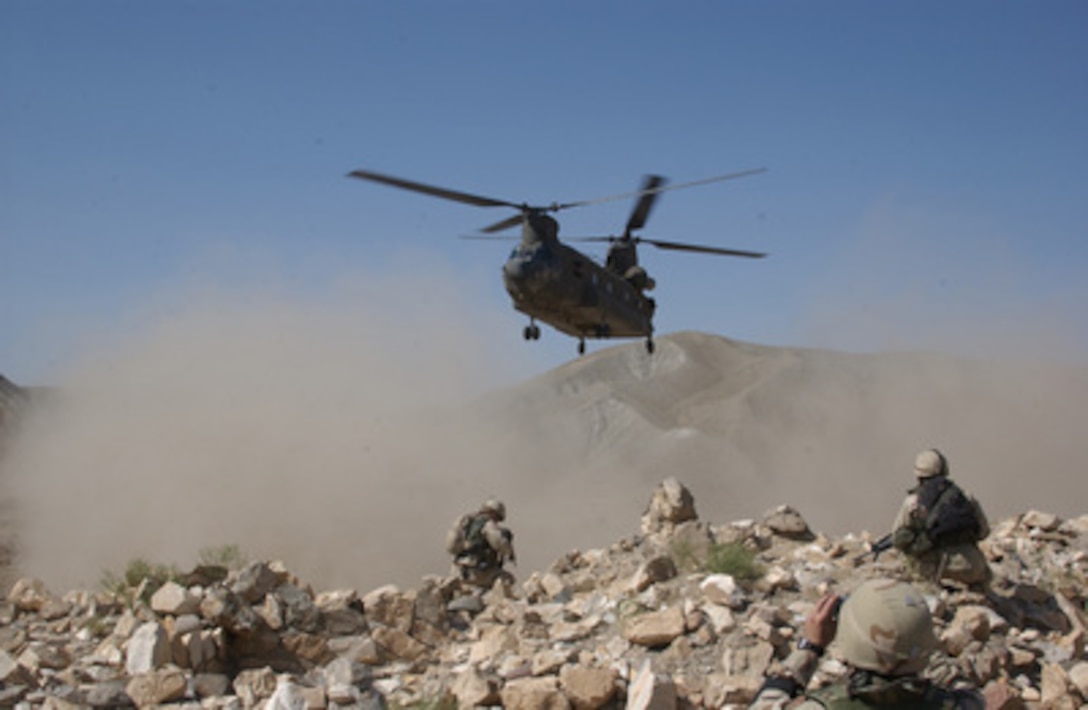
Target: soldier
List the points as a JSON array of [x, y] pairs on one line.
[[480, 545], [939, 526], [884, 633]]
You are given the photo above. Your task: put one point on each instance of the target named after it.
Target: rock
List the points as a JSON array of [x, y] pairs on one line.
[[473, 689], [587, 688], [1046, 522], [638, 623], [29, 594], [649, 692], [787, 522], [670, 505], [533, 694], [658, 569], [157, 687], [148, 649], [655, 628], [173, 599]]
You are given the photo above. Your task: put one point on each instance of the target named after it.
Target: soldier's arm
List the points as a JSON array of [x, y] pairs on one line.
[[499, 542], [791, 677]]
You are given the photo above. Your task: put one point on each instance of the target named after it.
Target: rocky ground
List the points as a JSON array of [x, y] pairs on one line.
[[646, 622]]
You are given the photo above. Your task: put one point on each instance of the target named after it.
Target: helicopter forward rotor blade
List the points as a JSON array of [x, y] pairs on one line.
[[442, 192], [678, 246], [504, 224], [490, 237]]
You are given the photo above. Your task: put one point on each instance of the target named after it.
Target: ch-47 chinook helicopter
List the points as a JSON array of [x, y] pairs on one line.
[[552, 282]]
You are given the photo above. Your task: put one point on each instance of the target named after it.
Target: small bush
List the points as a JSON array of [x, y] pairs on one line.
[[684, 555], [229, 556], [136, 571], [734, 559]]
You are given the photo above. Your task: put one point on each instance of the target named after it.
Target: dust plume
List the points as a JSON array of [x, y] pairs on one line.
[[331, 430]]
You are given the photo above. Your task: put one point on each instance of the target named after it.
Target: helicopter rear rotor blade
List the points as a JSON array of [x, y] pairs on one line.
[[651, 185], [679, 246], [442, 192], [664, 188]]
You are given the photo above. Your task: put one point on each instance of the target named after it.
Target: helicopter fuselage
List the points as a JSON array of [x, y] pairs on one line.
[[559, 285]]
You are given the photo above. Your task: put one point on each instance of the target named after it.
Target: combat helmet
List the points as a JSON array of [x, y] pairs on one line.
[[930, 463], [885, 626], [495, 506]]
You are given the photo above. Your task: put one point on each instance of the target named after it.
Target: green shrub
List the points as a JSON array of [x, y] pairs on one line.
[[136, 571], [734, 559], [229, 556], [684, 555]]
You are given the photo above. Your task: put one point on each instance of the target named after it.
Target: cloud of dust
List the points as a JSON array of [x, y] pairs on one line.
[[930, 277], [333, 431]]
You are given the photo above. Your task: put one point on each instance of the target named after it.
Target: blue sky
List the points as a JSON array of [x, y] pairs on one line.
[[926, 186]]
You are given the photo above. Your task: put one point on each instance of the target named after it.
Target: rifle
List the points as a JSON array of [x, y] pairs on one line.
[[876, 548]]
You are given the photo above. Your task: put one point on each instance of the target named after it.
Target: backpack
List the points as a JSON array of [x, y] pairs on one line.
[[950, 515], [466, 534]]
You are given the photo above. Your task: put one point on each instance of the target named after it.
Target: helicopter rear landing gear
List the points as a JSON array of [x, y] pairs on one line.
[[581, 346], [531, 332], [650, 345]]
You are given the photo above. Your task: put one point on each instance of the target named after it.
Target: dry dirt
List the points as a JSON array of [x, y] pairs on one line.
[[350, 462]]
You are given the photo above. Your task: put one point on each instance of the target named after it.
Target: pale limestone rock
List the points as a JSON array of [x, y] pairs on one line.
[[494, 641], [398, 643], [254, 685], [29, 594], [157, 687], [173, 599], [148, 649], [787, 522], [286, 696], [647, 691], [1047, 522], [751, 660], [655, 628], [670, 505], [550, 660], [1078, 676], [1055, 684], [721, 618], [533, 694], [13, 673], [722, 589], [725, 690], [255, 581], [657, 569], [473, 689], [587, 688]]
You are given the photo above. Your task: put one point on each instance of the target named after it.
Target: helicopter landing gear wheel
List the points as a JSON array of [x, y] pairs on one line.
[[531, 332], [650, 345], [581, 346]]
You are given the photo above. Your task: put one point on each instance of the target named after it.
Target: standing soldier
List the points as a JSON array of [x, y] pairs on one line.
[[939, 526], [480, 545]]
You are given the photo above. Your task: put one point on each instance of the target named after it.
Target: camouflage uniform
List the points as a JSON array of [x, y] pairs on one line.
[[885, 635], [487, 546], [950, 558]]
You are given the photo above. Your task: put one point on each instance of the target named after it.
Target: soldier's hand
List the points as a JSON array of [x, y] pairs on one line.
[[821, 623]]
